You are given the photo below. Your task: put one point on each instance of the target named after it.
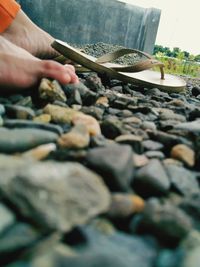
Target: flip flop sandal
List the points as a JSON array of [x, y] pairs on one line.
[[138, 74]]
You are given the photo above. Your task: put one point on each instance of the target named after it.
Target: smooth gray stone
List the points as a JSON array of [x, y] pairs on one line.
[[193, 126], [7, 218], [53, 195], [33, 124], [152, 145], [114, 163], [19, 140], [183, 180], [152, 179]]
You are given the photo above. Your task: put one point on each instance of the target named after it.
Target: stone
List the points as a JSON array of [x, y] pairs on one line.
[[111, 128], [88, 121], [155, 154], [19, 237], [114, 163], [182, 180], [93, 111], [103, 100], [140, 160], [193, 126], [40, 152], [152, 145], [169, 223], [125, 205], [75, 98], [94, 83], [184, 154], [78, 137], [24, 124], [25, 102], [7, 218], [196, 91], [44, 118], [59, 114], [148, 125], [19, 112], [134, 141], [151, 179], [20, 140], [51, 90], [56, 196], [2, 110], [116, 249]]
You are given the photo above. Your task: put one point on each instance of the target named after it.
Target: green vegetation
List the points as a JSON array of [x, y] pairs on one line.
[[177, 61]]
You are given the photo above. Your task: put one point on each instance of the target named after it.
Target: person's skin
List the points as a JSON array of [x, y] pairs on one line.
[[19, 69], [24, 33]]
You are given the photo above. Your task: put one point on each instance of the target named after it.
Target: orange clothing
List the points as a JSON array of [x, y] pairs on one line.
[[8, 11]]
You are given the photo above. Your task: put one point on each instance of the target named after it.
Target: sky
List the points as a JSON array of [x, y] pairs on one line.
[[179, 23]]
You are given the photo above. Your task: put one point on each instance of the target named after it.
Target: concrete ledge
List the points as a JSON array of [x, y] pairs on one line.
[[92, 21]]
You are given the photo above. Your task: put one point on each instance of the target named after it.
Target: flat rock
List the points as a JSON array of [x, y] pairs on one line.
[[66, 195]]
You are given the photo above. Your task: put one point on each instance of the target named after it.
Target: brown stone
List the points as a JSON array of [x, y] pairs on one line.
[[45, 118], [40, 152], [184, 154], [78, 137], [90, 122]]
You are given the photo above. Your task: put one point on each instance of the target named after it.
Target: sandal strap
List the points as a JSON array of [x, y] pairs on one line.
[[140, 66]]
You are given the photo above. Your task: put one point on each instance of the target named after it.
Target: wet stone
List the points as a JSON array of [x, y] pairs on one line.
[[114, 163]]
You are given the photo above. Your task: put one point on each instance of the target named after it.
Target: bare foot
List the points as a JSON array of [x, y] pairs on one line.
[[19, 69], [24, 33]]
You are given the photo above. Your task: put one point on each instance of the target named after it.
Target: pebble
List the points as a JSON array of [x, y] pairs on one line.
[[114, 163], [51, 90], [19, 112], [169, 223], [44, 118], [2, 110], [20, 140], [90, 123], [124, 205], [78, 137], [151, 180], [40, 152], [133, 140], [184, 154]]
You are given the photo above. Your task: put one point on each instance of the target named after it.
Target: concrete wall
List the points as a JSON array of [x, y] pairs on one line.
[[91, 21]]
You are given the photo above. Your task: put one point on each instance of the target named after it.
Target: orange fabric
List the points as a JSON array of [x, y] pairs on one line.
[[8, 11]]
